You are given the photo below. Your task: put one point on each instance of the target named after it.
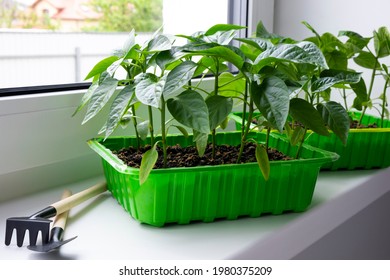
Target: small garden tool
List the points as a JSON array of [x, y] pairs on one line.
[[56, 233], [40, 221]]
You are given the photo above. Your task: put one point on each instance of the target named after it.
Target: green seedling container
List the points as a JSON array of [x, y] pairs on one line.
[[367, 148], [206, 193]]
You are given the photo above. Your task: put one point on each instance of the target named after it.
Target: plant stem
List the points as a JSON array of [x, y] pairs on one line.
[[244, 111], [369, 90], [135, 127], [267, 138], [384, 101], [300, 144], [345, 99], [151, 127], [213, 132], [163, 132], [245, 129]]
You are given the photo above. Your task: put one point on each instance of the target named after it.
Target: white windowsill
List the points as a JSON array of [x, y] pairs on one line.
[[106, 232]]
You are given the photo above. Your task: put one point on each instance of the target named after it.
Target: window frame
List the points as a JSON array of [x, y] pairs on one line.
[[238, 13]]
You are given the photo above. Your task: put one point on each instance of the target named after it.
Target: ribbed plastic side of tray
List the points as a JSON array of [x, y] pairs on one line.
[[182, 195], [366, 148]]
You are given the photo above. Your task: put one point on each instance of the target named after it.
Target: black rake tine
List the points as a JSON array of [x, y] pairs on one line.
[[40, 220], [34, 226], [8, 233]]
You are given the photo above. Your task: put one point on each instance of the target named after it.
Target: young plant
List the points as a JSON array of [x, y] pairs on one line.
[[158, 76], [369, 59], [357, 48], [214, 52], [106, 80]]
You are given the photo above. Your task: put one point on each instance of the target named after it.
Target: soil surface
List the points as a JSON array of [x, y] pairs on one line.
[[178, 156], [355, 124]]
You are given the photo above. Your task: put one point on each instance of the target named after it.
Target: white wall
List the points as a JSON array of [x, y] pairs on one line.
[[263, 10], [361, 16]]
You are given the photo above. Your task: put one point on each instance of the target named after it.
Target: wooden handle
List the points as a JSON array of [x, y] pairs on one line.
[[60, 219], [74, 200]]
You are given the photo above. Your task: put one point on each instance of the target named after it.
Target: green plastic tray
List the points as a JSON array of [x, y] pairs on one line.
[[182, 195], [366, 148], [237, 117]]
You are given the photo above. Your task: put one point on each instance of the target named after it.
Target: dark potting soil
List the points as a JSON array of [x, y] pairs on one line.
[[355, 124], [178, 156]]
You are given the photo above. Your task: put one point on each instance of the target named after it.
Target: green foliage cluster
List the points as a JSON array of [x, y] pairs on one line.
[[358, 49], [282, 79]]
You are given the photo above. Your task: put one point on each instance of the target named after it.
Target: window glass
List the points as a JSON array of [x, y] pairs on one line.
[[47, 42]]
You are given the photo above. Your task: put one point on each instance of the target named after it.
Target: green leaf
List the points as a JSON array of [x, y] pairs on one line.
[[221, 37], [219, 108], [166, 58], [250, 52], [129, 43], [159, 43], [288, 130], [367, 60], [311, 28], [382, 42], [315, 55], [101, 66], [230, 85], [297, 135], [149, 90], [86, 97], [262, 32], [143, 129], [357, 104], [263, 161], [337, 119], [118, 109], [223, 27], [326, 94], [182, 130], [205, 63], [148, 161], [100, 96], [385, 69], [337, 60], [178, 77], [272, 99], [329, 78], [303, 112], [197, 47], [224, 123], [360, 90], [258, 43], [289, 53], [200, 140], [113, 67], [189, 109], [228, 53], [356, 39]]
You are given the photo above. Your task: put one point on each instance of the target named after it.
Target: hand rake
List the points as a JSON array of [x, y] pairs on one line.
[[40, 222], [57, 231]]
